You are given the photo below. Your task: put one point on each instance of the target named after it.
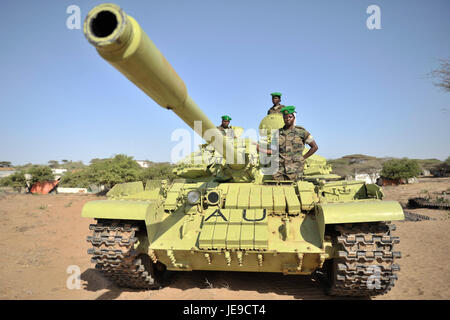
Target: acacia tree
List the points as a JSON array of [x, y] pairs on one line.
[[5, 164], [109, 172], [76, 179], [401, 169], [40, 173]]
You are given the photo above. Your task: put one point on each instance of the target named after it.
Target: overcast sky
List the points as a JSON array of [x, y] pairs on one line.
[[356, 90]]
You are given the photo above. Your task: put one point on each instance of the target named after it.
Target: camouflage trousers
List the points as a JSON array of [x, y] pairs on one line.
[[293, 175]]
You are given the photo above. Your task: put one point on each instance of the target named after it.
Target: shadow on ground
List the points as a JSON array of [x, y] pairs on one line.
[[298, 287], [96, 281]]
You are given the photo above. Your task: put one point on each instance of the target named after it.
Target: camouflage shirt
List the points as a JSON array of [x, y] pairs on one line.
[[291, 145], [229, 132], [275, 109]]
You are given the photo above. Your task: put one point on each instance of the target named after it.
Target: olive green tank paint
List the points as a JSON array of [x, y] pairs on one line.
[[271, 122], [112, 209], [223, 215], [264, 220], [361, 211], [124, 189]]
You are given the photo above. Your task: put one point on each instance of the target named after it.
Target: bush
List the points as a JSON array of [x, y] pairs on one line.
[[158, 172], [75, 179], [15, 180], [109, 172], [429, 164], [442, 169], [72, 165], [400, 169], [116, 170], [40, 173]]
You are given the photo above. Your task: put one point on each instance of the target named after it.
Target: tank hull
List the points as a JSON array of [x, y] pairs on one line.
[[253, 228]]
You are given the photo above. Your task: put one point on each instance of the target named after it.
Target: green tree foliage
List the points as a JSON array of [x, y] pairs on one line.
[[5, 164], [119, 169], [76, 179], [15, 180], [442, 169], [40, 173], [158, 172], [24, 167], [72, 165], [109, 172], [401, 169], [96, 160], [53, 164], [429, 164]]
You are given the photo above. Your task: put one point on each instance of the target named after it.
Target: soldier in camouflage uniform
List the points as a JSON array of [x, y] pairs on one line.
[[225, 127], [276, 99], [292, 140]]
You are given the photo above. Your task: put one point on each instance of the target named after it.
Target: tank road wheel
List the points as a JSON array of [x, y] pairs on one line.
[[365, 260], [114, 255]]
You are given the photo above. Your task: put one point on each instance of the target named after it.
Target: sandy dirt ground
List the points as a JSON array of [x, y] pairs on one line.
[[41, 236]]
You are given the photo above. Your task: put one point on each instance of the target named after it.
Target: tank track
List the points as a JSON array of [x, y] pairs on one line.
[[425, 203], [411, 216], [114, 255], [365, 260]]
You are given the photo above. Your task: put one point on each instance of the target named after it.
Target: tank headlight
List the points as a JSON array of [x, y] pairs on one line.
[[193, 196], [213, 197]]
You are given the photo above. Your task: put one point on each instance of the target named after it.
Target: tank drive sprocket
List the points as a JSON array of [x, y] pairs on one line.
[[114, 255], [365, 263]]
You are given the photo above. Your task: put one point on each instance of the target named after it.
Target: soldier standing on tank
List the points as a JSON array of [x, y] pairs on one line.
[[225, 127], [291, 141], [276, 100]]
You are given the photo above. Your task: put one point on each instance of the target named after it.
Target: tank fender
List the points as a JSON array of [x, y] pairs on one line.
[[123, 209], [358, 211]]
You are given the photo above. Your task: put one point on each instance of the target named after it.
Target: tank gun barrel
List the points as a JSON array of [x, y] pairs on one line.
[[120, 40]]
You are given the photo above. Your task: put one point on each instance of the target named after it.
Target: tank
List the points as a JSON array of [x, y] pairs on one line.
[[225, 213]]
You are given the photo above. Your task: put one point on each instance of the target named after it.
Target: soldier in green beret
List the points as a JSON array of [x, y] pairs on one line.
[[291, 141], [276, 100], [225, 127]]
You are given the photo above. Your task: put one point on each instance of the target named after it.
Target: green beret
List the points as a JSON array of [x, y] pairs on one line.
[[276, 94], [227, 118], [288, 110]]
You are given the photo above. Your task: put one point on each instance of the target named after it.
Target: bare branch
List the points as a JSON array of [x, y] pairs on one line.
[[442, 74]]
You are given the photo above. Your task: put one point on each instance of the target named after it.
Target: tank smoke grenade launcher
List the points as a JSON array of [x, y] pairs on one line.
[[230, 217]]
